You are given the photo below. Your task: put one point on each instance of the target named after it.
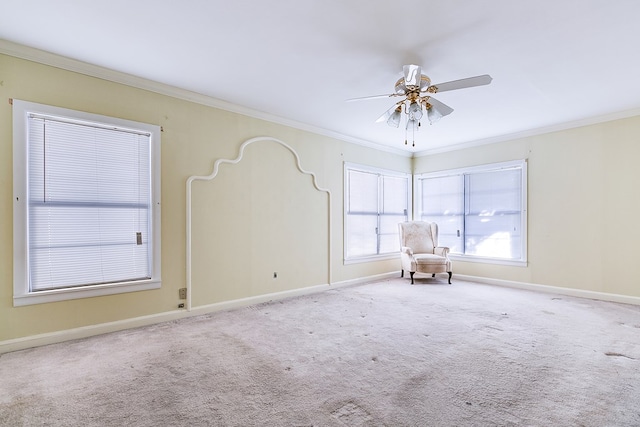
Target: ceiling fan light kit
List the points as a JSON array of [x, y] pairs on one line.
[[416, 88], [396, 117]]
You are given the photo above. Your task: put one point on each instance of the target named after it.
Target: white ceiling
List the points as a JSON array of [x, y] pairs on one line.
[[553, 62]]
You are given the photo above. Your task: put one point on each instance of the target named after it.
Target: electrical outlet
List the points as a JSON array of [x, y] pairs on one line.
[[182, 293]]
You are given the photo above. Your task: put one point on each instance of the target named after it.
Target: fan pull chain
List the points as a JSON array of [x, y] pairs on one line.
[[405, 136], [413, 135]]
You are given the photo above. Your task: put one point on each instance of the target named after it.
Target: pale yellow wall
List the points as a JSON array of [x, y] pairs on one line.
[[583, 206], [279, 219], [581, 197], [269, 219]]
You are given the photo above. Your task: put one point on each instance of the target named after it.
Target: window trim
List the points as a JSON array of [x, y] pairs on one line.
[[371, 169], [21, 293], [514, 164]]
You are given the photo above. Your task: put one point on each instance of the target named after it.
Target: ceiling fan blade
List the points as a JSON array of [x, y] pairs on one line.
[[485, 79], [364, 98], [440, 107]]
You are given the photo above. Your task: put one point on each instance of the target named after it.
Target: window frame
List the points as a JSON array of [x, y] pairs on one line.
[[492, 167], [22, 295], [348, 166]]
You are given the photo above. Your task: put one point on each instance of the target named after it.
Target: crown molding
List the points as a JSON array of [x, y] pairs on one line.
[[532, 132], [69, 64]]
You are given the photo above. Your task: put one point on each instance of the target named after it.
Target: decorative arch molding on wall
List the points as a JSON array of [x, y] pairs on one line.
[[214, 173]]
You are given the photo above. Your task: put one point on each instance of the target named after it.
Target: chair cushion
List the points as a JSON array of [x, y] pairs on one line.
[[420, 236], [429, 259]]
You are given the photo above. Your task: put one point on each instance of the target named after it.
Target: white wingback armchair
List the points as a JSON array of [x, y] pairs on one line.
[[419, 250]]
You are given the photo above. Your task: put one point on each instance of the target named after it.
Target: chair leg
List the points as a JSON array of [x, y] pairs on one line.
[[401, 273], [449, 276], [412, 273]]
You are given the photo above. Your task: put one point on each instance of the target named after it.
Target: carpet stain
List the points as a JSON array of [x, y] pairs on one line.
[[611, 353], [629, 326], [352, 415]]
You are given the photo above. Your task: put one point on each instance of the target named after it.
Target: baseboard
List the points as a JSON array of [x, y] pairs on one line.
[[136, 322], [244, 302], [88, 331], [367, 279], [580, 293]]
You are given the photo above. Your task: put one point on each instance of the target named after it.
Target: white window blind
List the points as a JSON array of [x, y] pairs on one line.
[[493, 216], [362, 214], [394, 208], [375, 202], [442, 202], [480, 211], [89, 204]]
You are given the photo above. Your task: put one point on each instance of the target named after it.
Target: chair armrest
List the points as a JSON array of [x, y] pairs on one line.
[[406, 259], [441, 250]]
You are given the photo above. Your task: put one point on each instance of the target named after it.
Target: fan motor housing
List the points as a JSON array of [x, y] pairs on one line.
[[401, 88]]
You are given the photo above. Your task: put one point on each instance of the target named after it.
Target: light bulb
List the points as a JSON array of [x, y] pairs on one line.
[[415, 111]]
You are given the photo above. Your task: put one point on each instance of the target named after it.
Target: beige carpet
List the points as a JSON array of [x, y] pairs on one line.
[[379, 354]]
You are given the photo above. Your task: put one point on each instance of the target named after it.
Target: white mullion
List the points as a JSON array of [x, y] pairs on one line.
[[380, 205]]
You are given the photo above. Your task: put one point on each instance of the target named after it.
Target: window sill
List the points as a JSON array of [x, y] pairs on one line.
[[485, 260], [371, 258], [55, 295]]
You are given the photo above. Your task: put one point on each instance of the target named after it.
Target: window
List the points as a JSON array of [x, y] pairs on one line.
[[375, 202], [480, 211], [86, 204]]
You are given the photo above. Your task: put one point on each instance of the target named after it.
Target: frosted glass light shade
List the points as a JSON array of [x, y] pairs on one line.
[[415, 111], [395, 118], [433, 115]]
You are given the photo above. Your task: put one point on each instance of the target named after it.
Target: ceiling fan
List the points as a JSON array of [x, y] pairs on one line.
[[416, 89]]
